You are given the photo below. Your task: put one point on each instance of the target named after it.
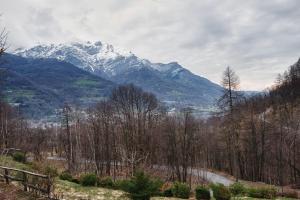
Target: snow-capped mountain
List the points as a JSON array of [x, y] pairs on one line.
[[170, 82], [96, 57]]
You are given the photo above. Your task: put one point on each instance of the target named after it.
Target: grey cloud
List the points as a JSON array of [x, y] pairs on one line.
[[257, 38]]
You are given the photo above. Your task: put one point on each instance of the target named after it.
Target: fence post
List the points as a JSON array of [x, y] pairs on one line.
[[49, 186], [6, 176], [25, 181]]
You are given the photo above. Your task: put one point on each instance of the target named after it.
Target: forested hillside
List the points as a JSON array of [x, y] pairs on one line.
[[40, 87], [258, 139]]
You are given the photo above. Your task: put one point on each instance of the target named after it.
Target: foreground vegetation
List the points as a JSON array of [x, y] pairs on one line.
[[140, 187]]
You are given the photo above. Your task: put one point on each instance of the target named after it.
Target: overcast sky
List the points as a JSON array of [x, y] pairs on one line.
[[257, 38]]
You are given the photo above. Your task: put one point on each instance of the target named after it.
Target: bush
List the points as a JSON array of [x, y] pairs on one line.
[[88, 180], [51, 171], [66, 176], [141, 186], [237, 189], [220, 192], [166, 189], [181, 190], [288, 194], [123, 185], [266, 193], [202, 193], [106, 182], [19, 157], [167, 192], [75, 180]]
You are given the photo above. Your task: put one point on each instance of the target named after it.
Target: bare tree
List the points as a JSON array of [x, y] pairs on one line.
[[230, 83], [3, 39], [136, 111], [68, 139]]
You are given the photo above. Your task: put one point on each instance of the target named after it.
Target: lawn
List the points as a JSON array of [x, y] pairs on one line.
[[68, 190]]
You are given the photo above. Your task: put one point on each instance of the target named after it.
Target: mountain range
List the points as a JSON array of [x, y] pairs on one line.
[[84, 73]]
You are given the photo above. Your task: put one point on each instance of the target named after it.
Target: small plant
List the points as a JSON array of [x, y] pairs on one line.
[[141, 186], [106, 182], [202, 192], [288, 194], [220, 192], [267, 193], [51, 171], [123, 185], [181, 190], [66, 176], [19, 157], [167, 192], [88, 180], [237, 189]]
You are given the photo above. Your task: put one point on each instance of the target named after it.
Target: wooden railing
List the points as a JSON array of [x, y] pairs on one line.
[[39, 183]]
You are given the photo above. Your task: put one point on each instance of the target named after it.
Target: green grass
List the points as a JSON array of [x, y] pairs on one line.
[[8, 161], [19, 93], [75, 191], [86, 82]]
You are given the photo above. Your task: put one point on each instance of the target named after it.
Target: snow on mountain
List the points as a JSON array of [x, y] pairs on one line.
[[170, 82], [100, 58]]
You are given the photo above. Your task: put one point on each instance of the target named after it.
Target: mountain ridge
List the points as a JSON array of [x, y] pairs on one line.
[[170, 82]]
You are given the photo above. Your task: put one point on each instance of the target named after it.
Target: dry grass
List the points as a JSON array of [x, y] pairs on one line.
[[11, 192]]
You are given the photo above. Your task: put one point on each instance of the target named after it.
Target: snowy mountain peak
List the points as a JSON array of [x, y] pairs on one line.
[[91, 56], [98, 57]]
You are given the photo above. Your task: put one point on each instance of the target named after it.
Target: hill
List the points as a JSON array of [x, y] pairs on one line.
[[41, 86]]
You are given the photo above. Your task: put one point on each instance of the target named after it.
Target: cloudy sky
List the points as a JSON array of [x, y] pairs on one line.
[[257, 38]]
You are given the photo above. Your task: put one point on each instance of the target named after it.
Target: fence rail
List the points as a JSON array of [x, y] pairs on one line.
[[24, 179]]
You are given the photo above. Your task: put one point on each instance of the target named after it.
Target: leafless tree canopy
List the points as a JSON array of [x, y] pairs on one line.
[[3, 38]]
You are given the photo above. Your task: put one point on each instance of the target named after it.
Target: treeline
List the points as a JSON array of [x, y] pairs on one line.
[[257, 138], [129, 131]]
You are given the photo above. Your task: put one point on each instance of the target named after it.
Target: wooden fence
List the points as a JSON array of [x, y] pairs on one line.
[[39, 183]]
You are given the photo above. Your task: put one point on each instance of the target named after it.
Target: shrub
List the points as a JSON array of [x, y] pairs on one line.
[[141, 186], [106, 182], [288, 194], [166, 189], [202, 193], [88, 180], [123, 185], [267, 193], [237, 189], [220, 192], [181, 190], [75, 180], [51, 171], [19, 157], [66, 176], [167, 192]]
